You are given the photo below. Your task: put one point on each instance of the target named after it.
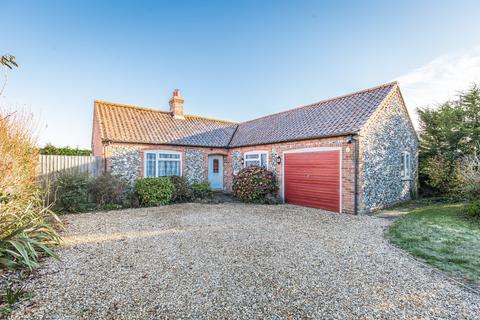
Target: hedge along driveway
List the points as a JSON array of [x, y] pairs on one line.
[[237, 261]]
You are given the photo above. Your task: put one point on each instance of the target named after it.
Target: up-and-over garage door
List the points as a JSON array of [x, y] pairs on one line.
[[312, 179]]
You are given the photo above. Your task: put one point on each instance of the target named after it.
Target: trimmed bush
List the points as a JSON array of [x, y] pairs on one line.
[[182, 191], [255, 185], [472, 209], [154, 191], [202, 190], [72, 192], [108, 191]]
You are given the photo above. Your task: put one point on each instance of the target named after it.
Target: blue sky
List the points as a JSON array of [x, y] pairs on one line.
[[233, 60]]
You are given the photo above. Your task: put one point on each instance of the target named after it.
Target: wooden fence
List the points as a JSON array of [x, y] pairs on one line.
[[49, 166]]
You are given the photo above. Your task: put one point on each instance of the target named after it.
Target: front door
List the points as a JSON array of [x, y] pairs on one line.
[[215, 172]]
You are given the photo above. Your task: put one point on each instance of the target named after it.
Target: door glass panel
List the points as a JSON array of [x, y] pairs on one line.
[[215, 165]]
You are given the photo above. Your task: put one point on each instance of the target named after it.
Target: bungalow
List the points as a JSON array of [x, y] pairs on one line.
[[353, 154]]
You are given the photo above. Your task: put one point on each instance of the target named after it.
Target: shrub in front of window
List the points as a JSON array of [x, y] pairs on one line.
[[72, 192], [182, 192], [154, 191], [202, 190], [256, 185], [108, 190]]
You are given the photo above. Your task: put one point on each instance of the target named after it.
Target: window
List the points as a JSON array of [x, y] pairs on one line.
[[215, 165], [256, 158], [405, 165], [162, 164]]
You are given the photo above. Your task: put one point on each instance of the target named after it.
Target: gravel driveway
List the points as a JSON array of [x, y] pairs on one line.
[[237, 261]]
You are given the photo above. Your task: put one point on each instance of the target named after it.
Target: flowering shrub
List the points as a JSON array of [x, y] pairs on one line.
[[255, 184]]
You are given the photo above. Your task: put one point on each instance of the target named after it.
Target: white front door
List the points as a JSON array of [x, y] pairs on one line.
[[215, 172]]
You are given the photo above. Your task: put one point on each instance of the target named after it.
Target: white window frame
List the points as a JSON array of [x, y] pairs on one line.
[[258, 153], [157, 152], [406, 159]]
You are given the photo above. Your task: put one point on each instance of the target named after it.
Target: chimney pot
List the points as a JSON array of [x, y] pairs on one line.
[[176, 105]]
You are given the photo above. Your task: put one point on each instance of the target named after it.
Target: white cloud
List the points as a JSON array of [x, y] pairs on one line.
[[440, 80]]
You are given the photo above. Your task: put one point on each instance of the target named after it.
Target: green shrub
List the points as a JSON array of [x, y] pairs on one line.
[[154, 191], [26, 234], [255, 184], [72, 192], [472, 209], [50, 149], [182, 191], [108, 190], [202, 190]]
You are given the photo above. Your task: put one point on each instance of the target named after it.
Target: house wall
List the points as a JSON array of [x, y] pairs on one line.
[[127, 160], [274, 150], [387, 133]]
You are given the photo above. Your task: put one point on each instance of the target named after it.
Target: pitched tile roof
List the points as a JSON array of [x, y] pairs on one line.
[[124, 123], [338, 116]]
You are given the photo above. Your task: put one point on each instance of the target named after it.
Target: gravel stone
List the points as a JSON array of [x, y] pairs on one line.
[[237, 261]]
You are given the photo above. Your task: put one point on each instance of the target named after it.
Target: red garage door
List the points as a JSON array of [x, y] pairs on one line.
[[312, 179]]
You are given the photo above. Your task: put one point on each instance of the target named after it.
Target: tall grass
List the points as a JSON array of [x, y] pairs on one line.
[[26, 223]]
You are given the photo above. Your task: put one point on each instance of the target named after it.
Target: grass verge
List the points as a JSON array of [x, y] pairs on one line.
[[443, 237]]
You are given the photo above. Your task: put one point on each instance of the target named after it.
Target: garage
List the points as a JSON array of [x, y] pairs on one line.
[[312, 178]]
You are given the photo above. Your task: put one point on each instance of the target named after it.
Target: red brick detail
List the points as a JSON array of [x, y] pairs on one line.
[[348, 167], [97, 146], [341, 142]]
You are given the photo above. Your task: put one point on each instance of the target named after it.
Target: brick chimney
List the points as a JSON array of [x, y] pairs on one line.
[[176, 105]]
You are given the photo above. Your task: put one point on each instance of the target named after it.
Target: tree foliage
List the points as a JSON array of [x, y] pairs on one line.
[[448, 134], [50, 149], [8, 61]]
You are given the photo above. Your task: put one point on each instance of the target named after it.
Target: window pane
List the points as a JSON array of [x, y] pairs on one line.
[[161, 168], [150, 165], [252, 156], [263, 160], [407, 165], [402, 164], [252, 163], [168, 168], [168, 156], [215, 165]]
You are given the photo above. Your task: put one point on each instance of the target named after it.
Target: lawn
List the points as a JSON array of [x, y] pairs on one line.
[[441, 236]]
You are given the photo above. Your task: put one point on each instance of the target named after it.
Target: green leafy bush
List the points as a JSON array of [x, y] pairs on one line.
[[72, 192], [472, 209], [182, 191], [202, 190], [108, 190], [50, 149], [154, 191], [255, 184]]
